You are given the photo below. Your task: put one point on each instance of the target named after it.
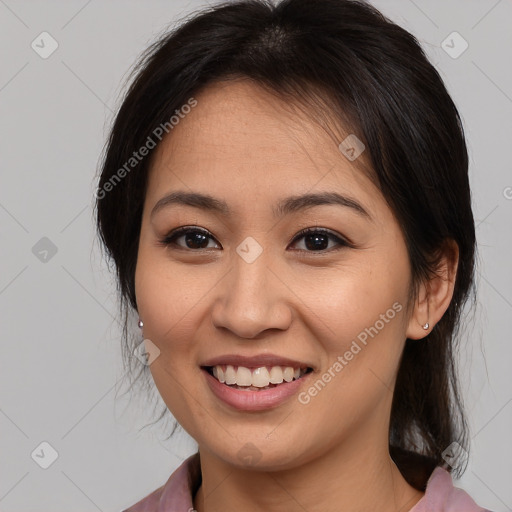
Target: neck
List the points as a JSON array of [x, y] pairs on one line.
[[353, 476]]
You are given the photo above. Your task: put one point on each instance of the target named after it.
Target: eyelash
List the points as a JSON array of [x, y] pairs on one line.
[[170, 239]]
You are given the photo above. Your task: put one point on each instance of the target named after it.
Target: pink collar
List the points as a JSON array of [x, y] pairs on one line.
[[441, 496]]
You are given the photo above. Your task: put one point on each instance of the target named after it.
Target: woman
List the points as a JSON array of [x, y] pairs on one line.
[[285, 198]]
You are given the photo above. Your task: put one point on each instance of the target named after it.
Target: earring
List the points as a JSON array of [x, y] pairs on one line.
[[427, 325], [141, 324]]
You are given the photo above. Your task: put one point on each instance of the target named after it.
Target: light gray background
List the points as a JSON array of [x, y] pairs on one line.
[[61, 363]]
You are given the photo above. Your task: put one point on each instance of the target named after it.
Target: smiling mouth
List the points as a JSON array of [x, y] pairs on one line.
[[255, 379]]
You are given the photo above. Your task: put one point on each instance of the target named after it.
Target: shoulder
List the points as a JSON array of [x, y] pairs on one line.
[[424, 474], [442, 496], [148, 504], [177, 493]]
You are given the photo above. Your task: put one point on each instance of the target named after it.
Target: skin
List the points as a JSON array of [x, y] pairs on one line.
[[247, 148]]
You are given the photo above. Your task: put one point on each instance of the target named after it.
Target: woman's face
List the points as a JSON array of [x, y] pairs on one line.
[[245, 288]]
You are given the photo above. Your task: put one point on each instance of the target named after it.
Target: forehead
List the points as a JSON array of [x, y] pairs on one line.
[[240, 140]]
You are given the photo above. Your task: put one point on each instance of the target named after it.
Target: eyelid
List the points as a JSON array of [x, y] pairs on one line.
[[183, 230], [342, 241]]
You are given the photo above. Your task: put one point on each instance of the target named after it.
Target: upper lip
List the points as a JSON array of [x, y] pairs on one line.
[[256, 361]]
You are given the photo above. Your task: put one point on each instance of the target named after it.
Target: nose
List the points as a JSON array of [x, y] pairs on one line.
[[252, 299]]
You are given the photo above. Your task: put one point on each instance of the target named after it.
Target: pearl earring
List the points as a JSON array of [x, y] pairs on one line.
[[427, 325], [141, 324]]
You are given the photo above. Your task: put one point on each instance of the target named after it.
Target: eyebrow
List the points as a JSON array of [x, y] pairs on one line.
[[284, 207]]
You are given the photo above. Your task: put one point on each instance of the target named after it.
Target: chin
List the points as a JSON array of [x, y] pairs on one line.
[[262, 455]]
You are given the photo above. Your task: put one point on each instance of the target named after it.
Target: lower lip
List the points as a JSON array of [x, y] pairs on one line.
[[254, 400]]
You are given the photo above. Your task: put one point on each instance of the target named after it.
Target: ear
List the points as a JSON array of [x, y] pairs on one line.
[[435, 295]]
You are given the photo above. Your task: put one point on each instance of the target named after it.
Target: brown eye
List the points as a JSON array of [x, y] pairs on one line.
[[318, 240], [192, 238]]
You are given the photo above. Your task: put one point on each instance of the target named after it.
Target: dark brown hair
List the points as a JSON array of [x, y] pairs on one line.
[[373, 77]]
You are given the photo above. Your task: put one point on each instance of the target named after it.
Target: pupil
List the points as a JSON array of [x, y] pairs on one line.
[[316, 241], [196, 240]]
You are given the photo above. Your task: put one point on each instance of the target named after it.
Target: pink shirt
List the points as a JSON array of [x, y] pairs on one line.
[[176, 495]]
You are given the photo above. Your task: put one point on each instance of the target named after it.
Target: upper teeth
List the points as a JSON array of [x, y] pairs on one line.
[[258, 377]]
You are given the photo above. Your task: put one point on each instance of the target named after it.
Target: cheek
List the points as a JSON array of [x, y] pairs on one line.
[[359, 321], [169, 298], [169, 302], [344, 305], [362, 348]]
